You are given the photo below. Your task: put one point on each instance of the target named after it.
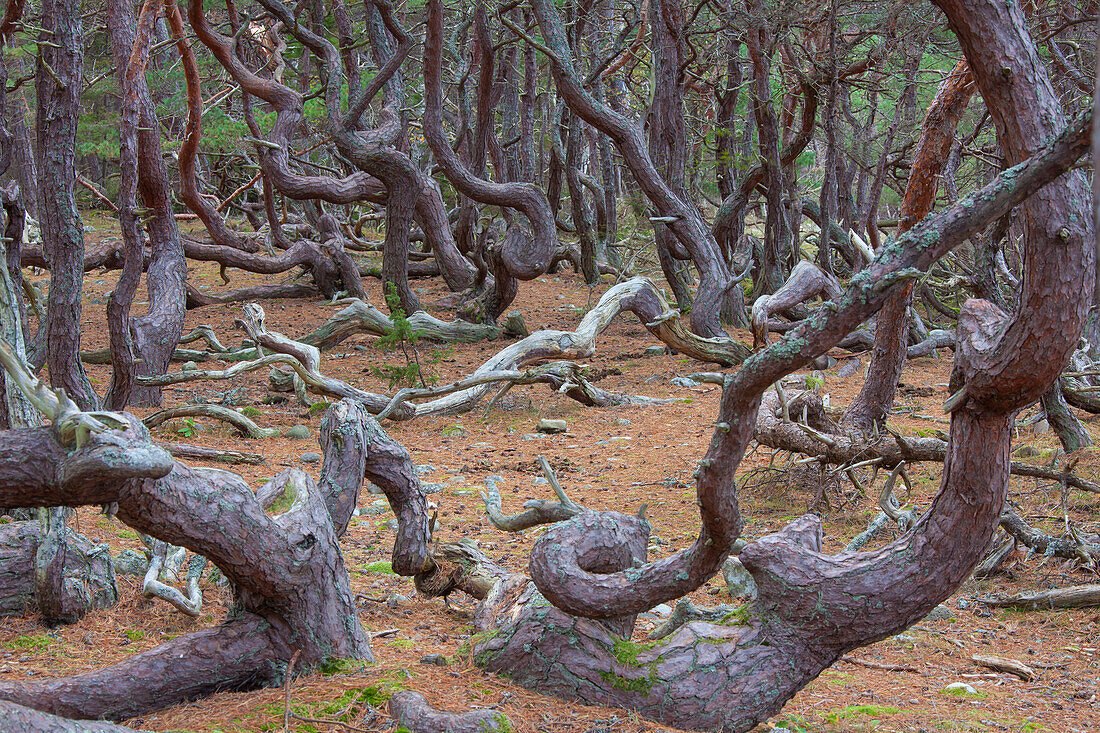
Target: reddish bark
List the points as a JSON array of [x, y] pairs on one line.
[[870, 408]]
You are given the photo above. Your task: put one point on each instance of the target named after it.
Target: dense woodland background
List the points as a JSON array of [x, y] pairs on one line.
[[812, 286]]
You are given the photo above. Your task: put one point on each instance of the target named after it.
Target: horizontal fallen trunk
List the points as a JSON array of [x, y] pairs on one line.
[[214, 455], [1080, 596], [19, 719], [361, 317], [410, 710]]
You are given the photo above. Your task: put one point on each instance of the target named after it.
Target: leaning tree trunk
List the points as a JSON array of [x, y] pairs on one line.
[[870, 408], [58, 81]]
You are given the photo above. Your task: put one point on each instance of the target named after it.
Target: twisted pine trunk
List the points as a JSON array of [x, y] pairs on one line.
[[291, 588]]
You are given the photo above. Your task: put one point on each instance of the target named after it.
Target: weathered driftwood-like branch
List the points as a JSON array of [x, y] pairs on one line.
[[362, 317], [244, 425], [1078, 596], [152, 587], [217, 455], [806, 282], [412, 711], [638, 295], [536, 511], [1073, 548]]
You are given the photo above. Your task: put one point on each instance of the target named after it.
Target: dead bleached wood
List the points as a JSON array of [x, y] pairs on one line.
[[214, 455], [411, 710], [535, 511], [1078, 596], [244, 425], [1004, 664]]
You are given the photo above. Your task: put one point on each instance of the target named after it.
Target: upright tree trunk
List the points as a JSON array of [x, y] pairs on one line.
[[58, 82]]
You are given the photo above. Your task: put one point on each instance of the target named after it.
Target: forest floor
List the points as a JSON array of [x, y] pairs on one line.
[[616, 458]]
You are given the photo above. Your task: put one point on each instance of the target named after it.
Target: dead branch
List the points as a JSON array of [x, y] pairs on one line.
[[1078, 596], [219, 455], [536, 511], [244, 425]]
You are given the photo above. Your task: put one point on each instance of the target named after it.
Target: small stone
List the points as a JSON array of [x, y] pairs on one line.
[[424, 469], [940, 613], [540, 481], [190, 366], [963, 687], [622, 421], [1042, 427], [298, 432], [393, 600], [849, 367], [437, 659], [373, 488], [655, 351], [311, 458], [431, 488], [663, 610], [552, 426], [683, 382], [739, 581], [273, 398]]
